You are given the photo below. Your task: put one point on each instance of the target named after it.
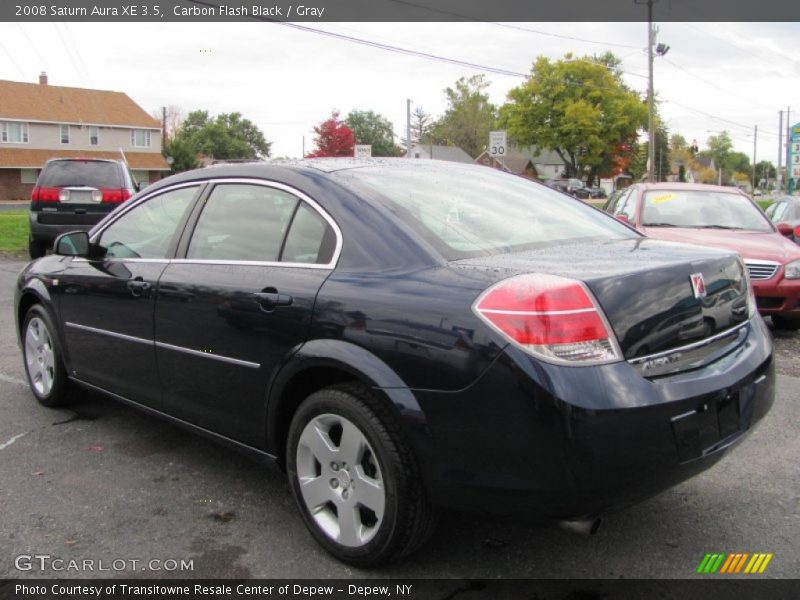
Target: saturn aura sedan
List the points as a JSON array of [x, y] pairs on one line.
[[402, 336]]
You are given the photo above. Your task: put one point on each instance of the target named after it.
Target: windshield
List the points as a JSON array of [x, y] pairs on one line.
[[78, 173], [477, 211], [700, 208]]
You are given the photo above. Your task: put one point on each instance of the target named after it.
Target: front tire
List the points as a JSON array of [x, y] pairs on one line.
[[42, 356], [785, 323], [355, 479]]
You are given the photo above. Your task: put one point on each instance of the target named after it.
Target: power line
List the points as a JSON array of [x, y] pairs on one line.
[[716, 118], [712, 84]]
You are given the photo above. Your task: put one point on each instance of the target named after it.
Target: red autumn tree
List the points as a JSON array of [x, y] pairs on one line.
[[334, 138]]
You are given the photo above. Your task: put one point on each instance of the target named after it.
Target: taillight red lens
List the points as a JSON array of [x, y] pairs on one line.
[[112, 196], [45, 194], [553, 317]]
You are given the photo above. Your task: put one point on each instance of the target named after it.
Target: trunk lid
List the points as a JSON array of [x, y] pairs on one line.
[[645, 289]]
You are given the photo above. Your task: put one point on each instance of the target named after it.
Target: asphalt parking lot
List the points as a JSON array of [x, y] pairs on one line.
[[101, 481]]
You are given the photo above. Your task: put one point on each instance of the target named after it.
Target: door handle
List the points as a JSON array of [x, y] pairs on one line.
[[269, 300], [139, 287]]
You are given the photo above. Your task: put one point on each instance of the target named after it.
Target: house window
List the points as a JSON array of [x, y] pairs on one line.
[[140, 138], [12, 132], [94, 135], [28, 175], [64, 134]]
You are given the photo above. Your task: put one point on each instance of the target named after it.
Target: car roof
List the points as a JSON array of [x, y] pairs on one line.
[[690, 187], [84, 159]]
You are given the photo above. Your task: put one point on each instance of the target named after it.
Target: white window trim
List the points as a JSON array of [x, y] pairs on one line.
[[61, 134], [24, 131], [147, 138], [96, 129], [22, 172]]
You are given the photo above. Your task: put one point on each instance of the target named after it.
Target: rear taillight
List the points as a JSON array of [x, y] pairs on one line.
[[113, 196], [551, 317], [45, 194]]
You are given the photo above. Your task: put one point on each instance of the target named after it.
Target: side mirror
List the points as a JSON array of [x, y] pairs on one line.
[[75, 243], [623, 219], [784, 229]]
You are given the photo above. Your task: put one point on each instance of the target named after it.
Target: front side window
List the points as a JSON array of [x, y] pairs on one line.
[[147, 230], [94, 135], [64, 129], [243, 222], [12, 132], [140, 138], [778, 211]]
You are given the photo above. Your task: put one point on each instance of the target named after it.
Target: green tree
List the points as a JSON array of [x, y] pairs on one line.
[[765, 171], [371, 128], [720, 147], [226, 136], [420, 126], [469, 116], [579, 108], [183, 155]]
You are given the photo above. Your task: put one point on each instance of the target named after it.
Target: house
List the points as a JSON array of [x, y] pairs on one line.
[[451, 153], [514, 162], [548, 163], [42, 121]]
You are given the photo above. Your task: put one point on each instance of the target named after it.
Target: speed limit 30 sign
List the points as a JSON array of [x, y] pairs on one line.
[[497, 143]]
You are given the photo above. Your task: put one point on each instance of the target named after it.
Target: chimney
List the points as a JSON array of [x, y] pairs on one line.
[[42, 78]]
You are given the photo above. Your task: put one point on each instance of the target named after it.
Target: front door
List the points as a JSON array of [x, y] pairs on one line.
[[107, 303]]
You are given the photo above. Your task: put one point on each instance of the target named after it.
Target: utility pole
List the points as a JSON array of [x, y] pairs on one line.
[[164, 125], [755, 141], [408, 128], [778, 182], [651, 155], [304, 147]]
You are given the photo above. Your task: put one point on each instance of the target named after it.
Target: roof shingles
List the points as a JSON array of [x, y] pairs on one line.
[[37, 102]]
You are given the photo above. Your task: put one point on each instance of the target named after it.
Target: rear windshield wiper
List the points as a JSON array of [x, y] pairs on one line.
[[716, 227], [659, 225]]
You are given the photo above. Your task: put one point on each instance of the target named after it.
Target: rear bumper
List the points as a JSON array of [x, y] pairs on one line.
[[64, 222], [550, 443], [781, 297]]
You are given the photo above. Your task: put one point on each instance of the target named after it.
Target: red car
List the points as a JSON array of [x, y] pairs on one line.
[[722, 217]]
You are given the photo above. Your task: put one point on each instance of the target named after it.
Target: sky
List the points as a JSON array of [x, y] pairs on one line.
[[716, 76]]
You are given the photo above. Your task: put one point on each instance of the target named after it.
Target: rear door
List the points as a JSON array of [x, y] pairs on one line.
[[239, 302], [106, 304]]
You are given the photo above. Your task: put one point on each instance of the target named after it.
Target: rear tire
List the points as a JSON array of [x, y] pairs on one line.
[[36, 249], [785, 323], [355, 478], [42, 356]]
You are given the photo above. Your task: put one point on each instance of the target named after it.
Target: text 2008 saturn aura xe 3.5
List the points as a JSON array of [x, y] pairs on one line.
[[406, 335]]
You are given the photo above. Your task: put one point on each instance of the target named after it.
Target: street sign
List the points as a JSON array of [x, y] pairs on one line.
[[794, 158], [363, 151], [497, 143]]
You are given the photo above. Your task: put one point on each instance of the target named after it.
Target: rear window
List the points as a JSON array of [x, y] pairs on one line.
[[701, 208], [76, 173], [468, 212]]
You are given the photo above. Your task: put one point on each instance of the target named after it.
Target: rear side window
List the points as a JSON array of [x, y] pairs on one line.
[[81, 173], [256, 223], [242, 222]]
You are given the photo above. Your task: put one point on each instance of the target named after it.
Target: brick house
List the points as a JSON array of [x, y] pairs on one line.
[[41, 121]]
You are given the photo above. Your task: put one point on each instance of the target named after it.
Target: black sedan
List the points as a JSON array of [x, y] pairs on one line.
[[401, 336]]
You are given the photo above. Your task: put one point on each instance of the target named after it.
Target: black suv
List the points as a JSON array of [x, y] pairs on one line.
[[573, 187], [75, 193]]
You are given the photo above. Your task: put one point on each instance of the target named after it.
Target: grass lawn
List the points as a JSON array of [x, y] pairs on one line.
[[14, 232]]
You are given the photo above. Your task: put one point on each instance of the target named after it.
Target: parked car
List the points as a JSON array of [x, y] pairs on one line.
[[596, 192], [72, 194], [722, 217], [573, 187], [785, 213], [400, 340]]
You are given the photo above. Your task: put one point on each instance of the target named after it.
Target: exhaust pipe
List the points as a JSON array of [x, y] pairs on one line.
[[585, 527]]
